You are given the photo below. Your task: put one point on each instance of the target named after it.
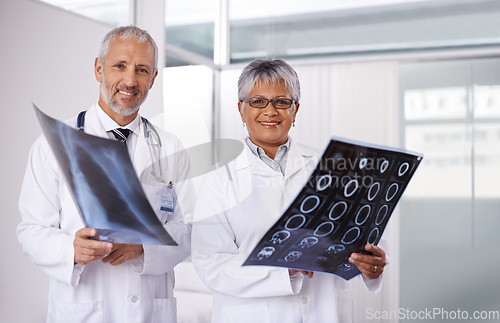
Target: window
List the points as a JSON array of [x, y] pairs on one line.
[[112, 12], [450, 210]]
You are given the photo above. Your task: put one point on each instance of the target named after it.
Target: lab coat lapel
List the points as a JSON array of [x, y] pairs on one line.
[[297, 159], [257, 166], [242, 161], [142, 155], [246, 165], [93, 125]]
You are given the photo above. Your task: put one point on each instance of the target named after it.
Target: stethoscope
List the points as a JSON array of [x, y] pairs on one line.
[[149, 133]]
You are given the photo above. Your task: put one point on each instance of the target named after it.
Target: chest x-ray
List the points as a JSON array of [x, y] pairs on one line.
[[345, 204], [104, 185]]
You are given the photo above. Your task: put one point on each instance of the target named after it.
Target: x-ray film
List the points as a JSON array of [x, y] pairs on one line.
[[345, 204], [104, 185]]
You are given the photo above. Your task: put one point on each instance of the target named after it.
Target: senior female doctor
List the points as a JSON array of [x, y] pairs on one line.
[[238, 204]]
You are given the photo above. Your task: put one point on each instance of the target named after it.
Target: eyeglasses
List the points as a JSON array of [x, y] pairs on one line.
[[261, 103]]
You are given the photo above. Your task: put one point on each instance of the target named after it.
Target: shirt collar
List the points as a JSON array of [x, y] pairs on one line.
[[110, 124], [259, 152]]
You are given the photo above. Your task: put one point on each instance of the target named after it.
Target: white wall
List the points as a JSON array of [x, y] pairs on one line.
[[47, 57]]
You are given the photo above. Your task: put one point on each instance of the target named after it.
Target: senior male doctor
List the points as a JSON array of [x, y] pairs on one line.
[[97, 281]]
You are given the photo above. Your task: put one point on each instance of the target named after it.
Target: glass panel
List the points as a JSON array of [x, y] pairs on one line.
[[486, 81], [436, 103], [302, 29], [240, 10], [487, 160], [190, 25], [449, 216], [112, 12], [486, 183], [487, 101], [446, 168]]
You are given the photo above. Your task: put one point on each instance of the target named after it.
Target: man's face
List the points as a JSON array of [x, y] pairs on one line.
[[126, 77]]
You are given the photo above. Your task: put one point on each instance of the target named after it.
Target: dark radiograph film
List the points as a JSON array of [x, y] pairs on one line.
[[345, 204], [104, 185]]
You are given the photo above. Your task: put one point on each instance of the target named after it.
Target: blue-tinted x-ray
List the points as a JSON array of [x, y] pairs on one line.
[[345, 204], [104, 184]]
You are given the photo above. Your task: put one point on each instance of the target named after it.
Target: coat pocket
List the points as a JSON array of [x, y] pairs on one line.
[[250, 313], [63, 312]]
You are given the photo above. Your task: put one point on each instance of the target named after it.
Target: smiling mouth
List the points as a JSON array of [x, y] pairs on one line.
[[126, 93], [269, 123]]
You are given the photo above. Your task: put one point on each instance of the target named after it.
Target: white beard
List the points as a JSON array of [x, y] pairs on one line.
[[125, 112]]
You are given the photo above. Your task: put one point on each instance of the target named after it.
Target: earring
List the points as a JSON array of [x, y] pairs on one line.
[[293, 124], [243, 125]]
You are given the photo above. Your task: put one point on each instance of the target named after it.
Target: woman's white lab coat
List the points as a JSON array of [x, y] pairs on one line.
[[236, 205], [139, 290]]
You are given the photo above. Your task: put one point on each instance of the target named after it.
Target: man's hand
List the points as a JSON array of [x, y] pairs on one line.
[[371, 266], [123, 252], [87, 250]]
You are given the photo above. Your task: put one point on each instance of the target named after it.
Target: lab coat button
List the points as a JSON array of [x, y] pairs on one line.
[[304, 300], [134, 299]]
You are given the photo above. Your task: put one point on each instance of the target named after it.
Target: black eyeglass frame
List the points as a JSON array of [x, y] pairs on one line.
[[273, 101]]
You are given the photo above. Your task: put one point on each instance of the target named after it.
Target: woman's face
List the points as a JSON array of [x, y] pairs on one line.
[[268, 127]]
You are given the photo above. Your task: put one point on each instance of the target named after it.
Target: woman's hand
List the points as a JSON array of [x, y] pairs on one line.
[[371, 266]]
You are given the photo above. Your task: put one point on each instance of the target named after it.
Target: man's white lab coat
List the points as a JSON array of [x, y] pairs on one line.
[[139, 290]]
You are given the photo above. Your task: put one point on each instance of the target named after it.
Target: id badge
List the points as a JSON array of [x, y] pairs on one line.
[[167, 199]]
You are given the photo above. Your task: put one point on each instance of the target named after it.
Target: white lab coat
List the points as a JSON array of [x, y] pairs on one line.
[[139, 290], [235, 207]]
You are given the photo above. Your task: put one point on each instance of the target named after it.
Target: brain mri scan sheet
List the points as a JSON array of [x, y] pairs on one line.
[[104, 185], [345, 204]]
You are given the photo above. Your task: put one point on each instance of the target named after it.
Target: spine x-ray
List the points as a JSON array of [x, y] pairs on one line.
[[345, 204]]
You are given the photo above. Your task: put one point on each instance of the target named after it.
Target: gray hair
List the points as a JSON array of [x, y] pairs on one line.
[[269, 71], [127, 32]]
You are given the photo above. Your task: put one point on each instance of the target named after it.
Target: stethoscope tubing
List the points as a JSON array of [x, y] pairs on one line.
[[147, 126]]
